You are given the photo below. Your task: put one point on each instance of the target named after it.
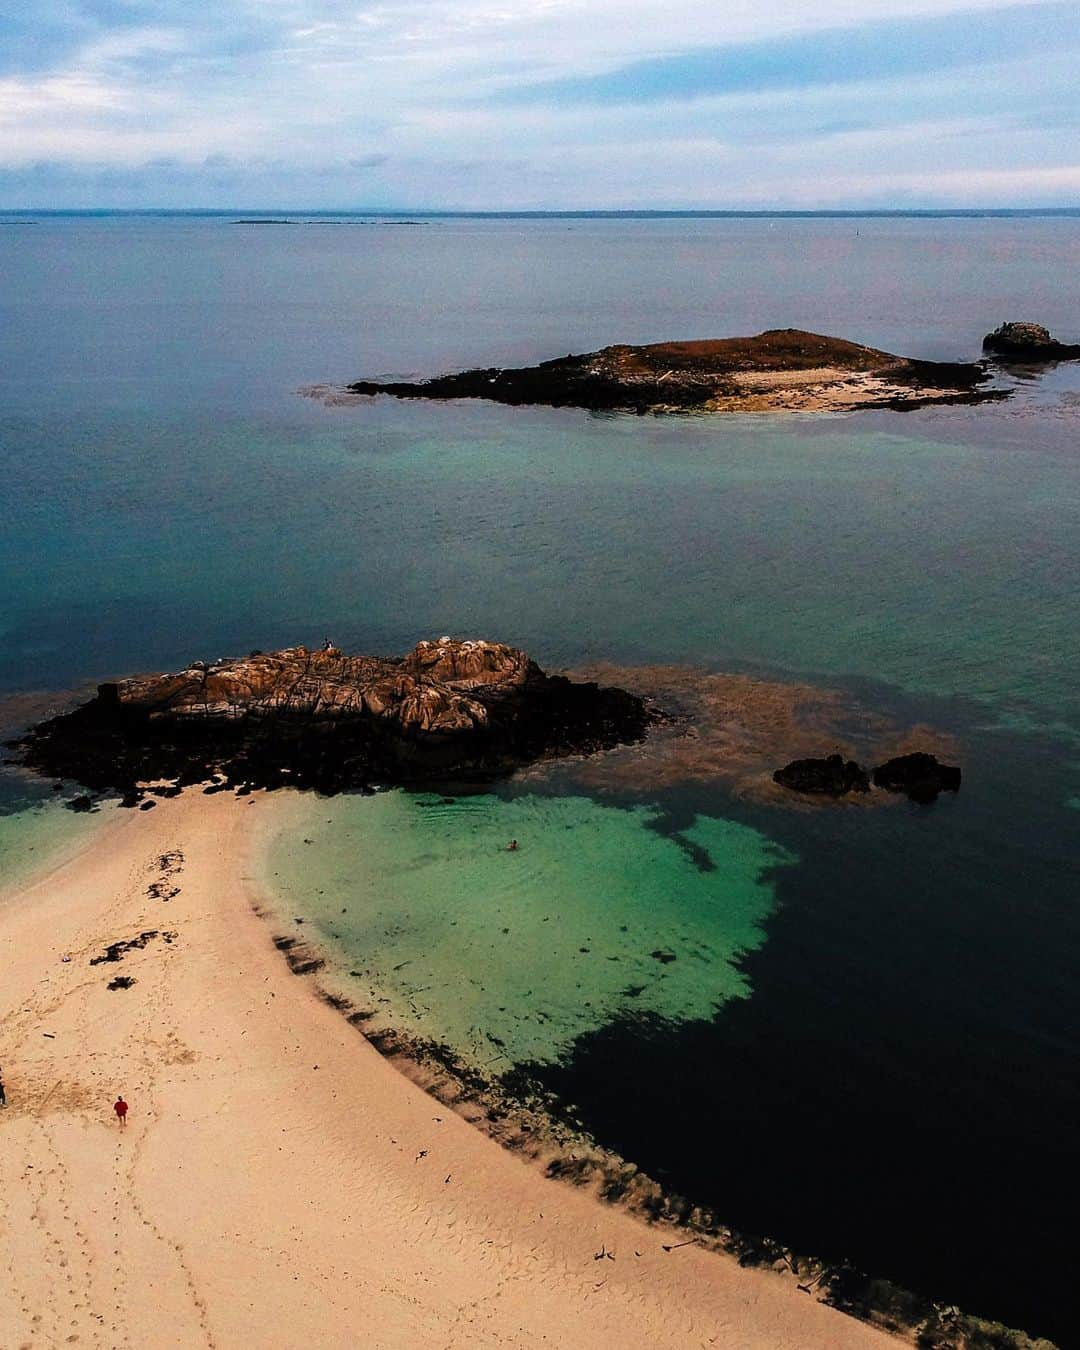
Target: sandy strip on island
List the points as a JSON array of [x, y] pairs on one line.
[[279, 1184]]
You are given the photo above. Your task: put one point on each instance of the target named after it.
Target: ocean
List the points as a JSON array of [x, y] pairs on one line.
[[852, 1030]]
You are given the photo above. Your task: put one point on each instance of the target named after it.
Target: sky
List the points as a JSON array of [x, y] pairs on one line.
[[539, 104]]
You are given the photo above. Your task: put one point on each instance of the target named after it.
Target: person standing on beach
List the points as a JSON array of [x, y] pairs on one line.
[[120, 1107]]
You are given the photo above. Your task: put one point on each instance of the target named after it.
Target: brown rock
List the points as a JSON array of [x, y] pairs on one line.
[[329, 720]]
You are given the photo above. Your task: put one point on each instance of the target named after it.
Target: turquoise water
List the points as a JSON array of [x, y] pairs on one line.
[[36, 830], [875, 1012], [34, 837], [507, 956]]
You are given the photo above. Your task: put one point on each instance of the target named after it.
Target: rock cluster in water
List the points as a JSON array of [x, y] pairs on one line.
[[783, 368], [1029, 342], [832, 776], [330, 721], [918, 776]]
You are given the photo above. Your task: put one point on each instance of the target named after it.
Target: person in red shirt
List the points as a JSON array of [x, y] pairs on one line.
[[120, 1107]]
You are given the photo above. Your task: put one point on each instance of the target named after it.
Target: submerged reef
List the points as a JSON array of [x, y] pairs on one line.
[[330, 721], [734, 729], [781, 369]]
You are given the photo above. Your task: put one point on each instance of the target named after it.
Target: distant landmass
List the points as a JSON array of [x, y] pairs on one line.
[[435, 213]]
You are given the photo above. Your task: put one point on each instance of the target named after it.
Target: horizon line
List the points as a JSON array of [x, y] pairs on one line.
[[553, 213]]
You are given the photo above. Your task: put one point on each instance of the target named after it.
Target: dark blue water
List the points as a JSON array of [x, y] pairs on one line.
[[899, 1083]]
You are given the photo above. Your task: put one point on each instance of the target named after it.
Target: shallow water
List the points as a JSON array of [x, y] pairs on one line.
[[508, 956], [35, 836], [886, 1002]]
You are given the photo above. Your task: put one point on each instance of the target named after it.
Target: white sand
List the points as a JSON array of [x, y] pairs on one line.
[[278, 1183]]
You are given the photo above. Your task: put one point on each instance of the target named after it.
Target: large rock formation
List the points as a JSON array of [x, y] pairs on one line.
[[784, 368], [331, 721], [1029, 342]]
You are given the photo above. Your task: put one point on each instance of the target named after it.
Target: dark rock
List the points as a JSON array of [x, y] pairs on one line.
[[832, 777], [448, 711], [121, 982], [1029, 342], [80, 804], [147, 805], [918, 775]]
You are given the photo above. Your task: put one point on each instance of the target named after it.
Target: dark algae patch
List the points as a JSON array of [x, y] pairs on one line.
[[116, 951]]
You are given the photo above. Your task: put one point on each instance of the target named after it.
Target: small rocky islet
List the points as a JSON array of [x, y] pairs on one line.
[[1030, 343], [782, 369], [326, 720]]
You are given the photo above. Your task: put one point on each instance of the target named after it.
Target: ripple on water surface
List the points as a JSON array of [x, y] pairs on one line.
[[507, 956]]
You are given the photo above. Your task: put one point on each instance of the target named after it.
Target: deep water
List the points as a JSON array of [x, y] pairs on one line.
[[901, 1084], [866, 1041]]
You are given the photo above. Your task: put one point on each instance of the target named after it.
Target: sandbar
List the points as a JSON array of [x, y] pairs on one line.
[[278, 1182]]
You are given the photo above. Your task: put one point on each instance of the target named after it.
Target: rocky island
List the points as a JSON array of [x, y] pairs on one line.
[[330, 721], [781, 369], [1029, 342]]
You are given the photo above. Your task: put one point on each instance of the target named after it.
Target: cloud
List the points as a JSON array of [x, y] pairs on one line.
[[552, 103], [881, 49]]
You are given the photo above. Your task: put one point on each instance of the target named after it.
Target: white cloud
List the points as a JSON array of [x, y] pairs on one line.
[[392, 92]]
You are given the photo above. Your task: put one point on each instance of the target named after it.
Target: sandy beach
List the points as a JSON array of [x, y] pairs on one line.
[[278, 1183]]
